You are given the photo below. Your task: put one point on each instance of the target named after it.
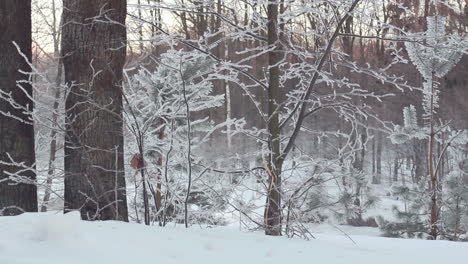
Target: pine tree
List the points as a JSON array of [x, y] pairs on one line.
[[410, 222], [433, 58]]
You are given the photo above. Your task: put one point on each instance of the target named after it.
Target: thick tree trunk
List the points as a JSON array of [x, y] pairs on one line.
[[16, 137], [273, 166], [94, 50]]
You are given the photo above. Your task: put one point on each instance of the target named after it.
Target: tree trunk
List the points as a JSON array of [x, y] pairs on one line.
[[201, 23], [157, 194], [220, 51], [273, 166], [16, 137], [53, 142], [53, 134], [140, 29], [420, 160], [431, 166], [94, 50], [183, 19], [378, 158], [374, 173]]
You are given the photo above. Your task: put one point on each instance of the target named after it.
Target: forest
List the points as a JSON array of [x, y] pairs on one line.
[[311, 120]]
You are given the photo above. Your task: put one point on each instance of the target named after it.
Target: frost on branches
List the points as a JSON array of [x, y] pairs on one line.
[[434, 58], [429, 209], [167, 106]]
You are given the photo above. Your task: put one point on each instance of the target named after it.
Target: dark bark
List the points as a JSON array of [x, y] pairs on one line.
[[201, 20], [94, 49], [16, 137], [273, 205], [348, 42], [183, 20]]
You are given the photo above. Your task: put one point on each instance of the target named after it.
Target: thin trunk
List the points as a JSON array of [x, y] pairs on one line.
[[457, 218], [142, 169], [158, 196], [395, 169], [374, 172], [228, 115], [403, 180], [53, 136], [166, 176], [140, 28], [273, 166], [378, 159], [183, 18], [189, 153], [53, 133], [432, 174], [201, 24]]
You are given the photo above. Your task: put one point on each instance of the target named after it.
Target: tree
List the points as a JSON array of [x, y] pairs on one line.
[[48, 95], [434, 60], [291, 81], [18, 191], [94, 52], [274, 163], [172, 99]]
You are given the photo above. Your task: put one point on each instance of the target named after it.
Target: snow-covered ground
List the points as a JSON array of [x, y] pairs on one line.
[[53, 238]]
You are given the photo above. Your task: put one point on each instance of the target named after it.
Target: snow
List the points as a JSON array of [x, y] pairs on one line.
[[51, 238]]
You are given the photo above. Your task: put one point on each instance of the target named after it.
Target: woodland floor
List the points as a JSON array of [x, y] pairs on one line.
[[40, 238]]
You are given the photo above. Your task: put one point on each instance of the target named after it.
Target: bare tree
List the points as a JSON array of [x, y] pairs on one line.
[[51, 17], [274, 163]]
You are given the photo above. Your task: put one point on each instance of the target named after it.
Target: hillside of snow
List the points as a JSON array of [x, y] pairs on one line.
[[51, 238]]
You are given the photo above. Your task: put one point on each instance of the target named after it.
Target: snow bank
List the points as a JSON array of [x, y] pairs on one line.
[[53, 238]]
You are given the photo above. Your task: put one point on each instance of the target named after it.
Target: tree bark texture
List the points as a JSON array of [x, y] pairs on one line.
[[16, 130], [273, 166], [94, 50]]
